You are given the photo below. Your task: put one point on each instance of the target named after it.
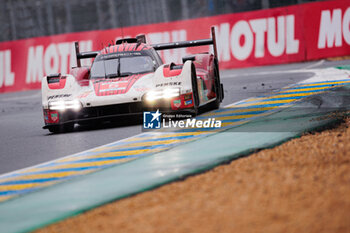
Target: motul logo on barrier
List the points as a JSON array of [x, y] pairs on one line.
[[334, 27], [7, 77], [274, 35], [52, 59]]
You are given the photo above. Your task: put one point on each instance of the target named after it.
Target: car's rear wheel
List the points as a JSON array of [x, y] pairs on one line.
[[195, 94]]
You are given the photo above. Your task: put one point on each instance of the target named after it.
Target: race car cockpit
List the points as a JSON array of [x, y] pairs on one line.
[[121, 65]]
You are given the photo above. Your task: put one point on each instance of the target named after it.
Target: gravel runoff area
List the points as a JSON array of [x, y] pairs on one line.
[[302, 185]]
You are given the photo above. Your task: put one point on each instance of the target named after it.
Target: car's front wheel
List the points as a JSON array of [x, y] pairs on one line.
[[195, 94], [61, 128], [217, 88]]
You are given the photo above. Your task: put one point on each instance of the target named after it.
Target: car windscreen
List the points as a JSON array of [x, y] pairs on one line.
[[121, 66]]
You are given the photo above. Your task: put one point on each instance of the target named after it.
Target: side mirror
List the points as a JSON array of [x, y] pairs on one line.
[[141, 38], [189, 58], [154, 65]]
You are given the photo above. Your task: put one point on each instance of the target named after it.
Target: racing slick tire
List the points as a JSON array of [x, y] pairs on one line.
[[194, 91], [61, 128], [218, 88]]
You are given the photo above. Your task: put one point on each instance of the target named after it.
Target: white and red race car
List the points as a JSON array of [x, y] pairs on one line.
[[129, 78]]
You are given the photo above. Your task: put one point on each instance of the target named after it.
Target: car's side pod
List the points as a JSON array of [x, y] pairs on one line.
[[195, 43]]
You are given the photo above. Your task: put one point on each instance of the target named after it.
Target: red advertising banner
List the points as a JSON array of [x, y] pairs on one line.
[[273, 36], [326, 29]]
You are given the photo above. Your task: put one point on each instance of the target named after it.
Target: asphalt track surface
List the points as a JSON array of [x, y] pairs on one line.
[[24, 143]]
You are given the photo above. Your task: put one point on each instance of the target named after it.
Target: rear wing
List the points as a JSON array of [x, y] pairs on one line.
[[142, 39], [83, 55], [190, 43]]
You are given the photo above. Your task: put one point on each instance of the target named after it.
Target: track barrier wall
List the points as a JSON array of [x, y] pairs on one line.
[[274, 36]]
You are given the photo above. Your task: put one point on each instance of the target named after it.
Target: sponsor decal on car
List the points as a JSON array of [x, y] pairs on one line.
[[177, 103], [58, 96], [54, 117], [122, 86], [188, 102], [168, 84], [188, 96], [113, 86], [50, 117], [116, 55]]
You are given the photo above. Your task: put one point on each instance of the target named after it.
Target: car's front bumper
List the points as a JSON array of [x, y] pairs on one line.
[[53, 117]]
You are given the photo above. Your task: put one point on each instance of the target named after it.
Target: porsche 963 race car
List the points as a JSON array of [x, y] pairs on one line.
[[129, 78]]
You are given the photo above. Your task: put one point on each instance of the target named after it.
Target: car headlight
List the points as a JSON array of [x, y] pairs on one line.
[[162, 94], [154, 95], [65, 104]]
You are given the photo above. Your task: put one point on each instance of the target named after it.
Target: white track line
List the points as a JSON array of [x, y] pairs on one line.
[[314, 65], [304, 69]]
